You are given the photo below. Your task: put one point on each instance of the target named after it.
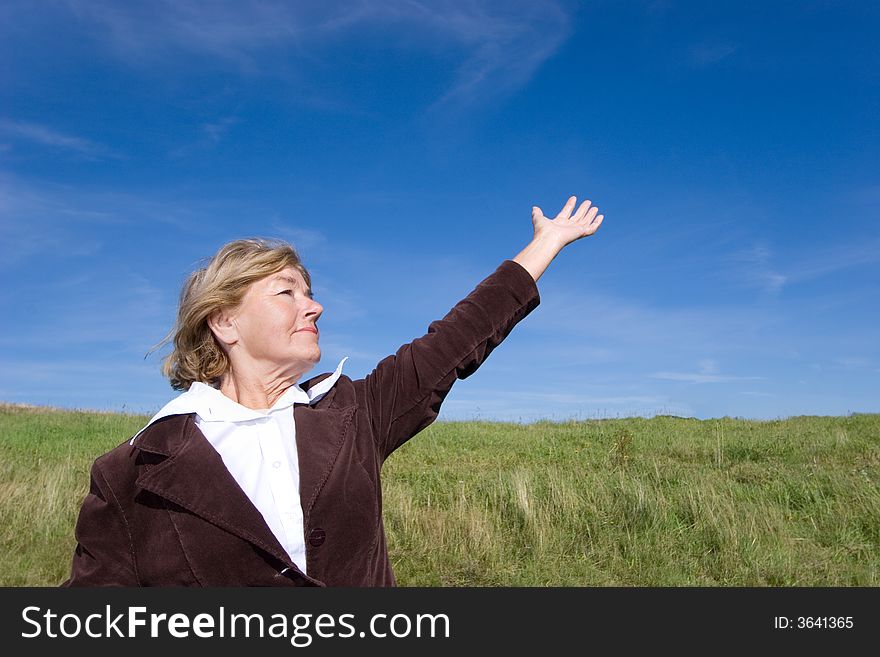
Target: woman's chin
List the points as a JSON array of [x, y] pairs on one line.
[[314, 358]]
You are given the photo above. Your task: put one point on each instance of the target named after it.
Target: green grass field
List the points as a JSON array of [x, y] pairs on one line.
[[628, 502]]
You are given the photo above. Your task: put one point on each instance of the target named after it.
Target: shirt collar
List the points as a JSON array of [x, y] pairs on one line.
[[211, 405]]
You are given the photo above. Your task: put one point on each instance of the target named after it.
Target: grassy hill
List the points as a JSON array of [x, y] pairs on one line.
[[631, 502]]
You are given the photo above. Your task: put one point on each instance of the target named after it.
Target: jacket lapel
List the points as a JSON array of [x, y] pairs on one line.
[[320, 435], [195, 478]]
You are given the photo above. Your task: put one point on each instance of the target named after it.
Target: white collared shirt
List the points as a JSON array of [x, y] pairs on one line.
[[259, 450]]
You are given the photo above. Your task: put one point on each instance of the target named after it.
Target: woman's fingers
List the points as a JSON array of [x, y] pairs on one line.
[[581, 211], [587, 216], [565, 213]]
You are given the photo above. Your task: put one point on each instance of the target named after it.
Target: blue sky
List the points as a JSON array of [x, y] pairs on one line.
[[732, 146]]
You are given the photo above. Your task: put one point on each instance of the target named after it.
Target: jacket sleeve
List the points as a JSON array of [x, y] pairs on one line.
[[104, 554], [404, 391]]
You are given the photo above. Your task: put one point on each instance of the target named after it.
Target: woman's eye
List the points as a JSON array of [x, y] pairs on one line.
[[286, 292]]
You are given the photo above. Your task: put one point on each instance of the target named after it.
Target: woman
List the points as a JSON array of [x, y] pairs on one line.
[[250, 478]]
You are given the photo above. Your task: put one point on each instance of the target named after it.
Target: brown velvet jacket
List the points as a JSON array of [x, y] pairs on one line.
[[166, 512]]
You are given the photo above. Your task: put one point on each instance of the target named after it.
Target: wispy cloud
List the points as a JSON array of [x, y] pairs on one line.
[[231, 31], [622, 324], [852, 362], [466, 403], [499, 45], [46, 136], [504, 47], [694, 377], [216, 130], [705, 54], [335, 349], [573, 398], [83, 338], [59, 382], [109, 306], [32, 221], [708, 373], [708, 366], [759, 266], [303, 239], [755, 269], [64, 221], [835, 257], [209, 135]]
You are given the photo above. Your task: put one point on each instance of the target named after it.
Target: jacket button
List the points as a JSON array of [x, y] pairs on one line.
[[317, 536]]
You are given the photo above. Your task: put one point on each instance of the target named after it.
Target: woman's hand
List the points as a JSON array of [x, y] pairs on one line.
[[566, 227], [551, 235]]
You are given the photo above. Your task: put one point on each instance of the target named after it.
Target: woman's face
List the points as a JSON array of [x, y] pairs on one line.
[[275, 325]]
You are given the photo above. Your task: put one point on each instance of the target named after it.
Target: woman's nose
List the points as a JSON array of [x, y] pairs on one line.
[[316, 310]]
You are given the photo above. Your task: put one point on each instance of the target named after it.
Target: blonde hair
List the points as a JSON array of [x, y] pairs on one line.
[[221, 284]]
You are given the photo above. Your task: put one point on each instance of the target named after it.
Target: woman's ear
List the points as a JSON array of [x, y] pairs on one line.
[[222, 325]]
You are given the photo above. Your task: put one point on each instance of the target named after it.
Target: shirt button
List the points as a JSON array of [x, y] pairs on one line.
[[276, 465], [317, 536]]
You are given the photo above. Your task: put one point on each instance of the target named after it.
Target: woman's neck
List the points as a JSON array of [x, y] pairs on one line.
[[256, 393]]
